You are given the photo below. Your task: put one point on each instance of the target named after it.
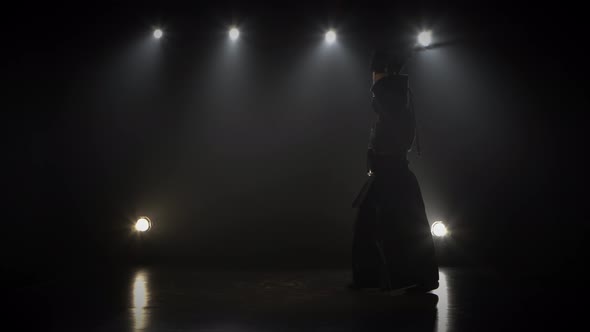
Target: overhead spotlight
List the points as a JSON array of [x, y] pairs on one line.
[[330, 36], [143, 224], [158, 33], [438, 229], [425, 38], [234, 33]]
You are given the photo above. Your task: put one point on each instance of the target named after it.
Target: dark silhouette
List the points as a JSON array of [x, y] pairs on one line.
[[392, 246]]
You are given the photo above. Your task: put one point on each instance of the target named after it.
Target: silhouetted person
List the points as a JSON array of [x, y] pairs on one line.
[[392, 245]]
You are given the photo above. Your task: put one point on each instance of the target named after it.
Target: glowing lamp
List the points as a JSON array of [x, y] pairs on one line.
[[234, 34], [425, 38], [143, 224], [438, 229], [330, 37]]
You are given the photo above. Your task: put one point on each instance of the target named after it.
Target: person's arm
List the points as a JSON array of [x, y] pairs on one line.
[[370, 162], [371, 153], [416, 139]]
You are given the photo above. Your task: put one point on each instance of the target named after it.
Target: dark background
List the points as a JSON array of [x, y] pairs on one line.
[[250, 154]]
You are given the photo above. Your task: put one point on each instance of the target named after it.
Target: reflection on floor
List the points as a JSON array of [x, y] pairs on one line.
[[442, 307], [187, 299], [141, 298], [297, 295]]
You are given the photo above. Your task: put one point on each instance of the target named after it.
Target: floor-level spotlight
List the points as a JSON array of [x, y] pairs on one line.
[[158, 33], [425, 38], [143, 224], [439, 229], [330, 36], [234, 33]]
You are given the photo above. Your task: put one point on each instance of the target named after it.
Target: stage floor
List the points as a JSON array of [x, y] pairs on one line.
[[165, 298]]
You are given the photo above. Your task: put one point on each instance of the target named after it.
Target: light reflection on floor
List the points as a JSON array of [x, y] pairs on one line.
[[140, 295], [442, 307]]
